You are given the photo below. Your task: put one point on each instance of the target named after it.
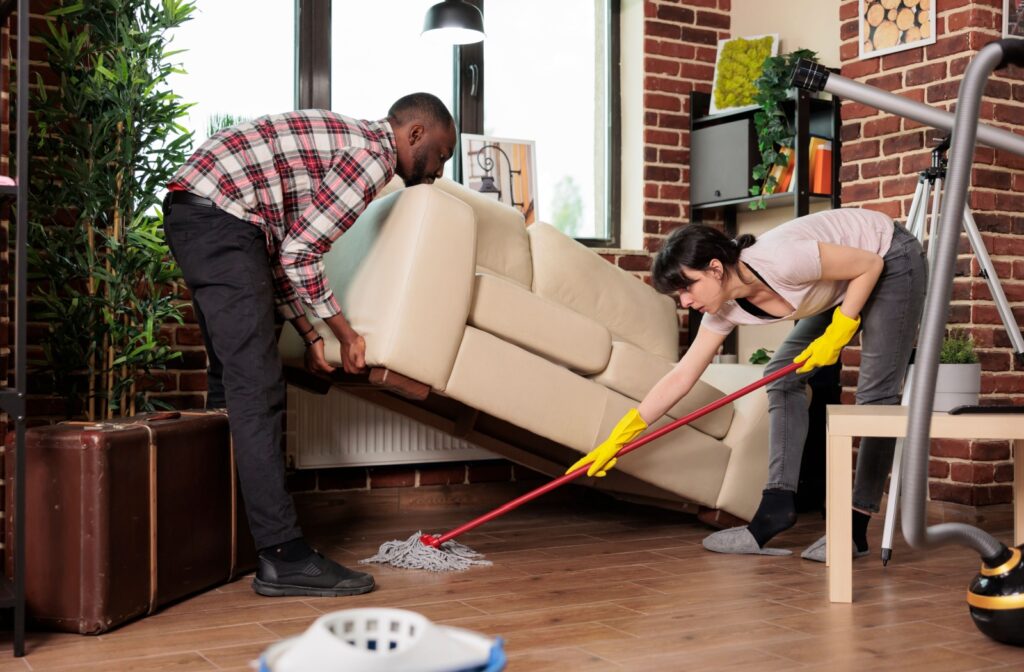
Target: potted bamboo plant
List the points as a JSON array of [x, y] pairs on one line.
[[108, 138]]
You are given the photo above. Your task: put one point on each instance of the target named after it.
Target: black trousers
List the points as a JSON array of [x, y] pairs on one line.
[[226, 267]]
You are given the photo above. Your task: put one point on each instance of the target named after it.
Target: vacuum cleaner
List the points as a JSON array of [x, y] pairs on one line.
[[995, 596]]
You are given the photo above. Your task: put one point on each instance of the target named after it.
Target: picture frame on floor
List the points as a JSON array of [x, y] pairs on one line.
[[888, 26], [1013, 18], [504, 169]]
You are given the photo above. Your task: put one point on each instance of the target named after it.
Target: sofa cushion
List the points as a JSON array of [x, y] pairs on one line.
[[542, 397], [519, 316], [410, 308], [568, 273], [685, 461], [502, 246], [633, 372], [747, 438]]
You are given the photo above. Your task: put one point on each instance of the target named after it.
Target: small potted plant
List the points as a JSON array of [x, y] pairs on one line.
[[958, 382], [959, 379]]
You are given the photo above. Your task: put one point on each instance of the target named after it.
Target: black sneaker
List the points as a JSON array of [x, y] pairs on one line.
[[315, 575]]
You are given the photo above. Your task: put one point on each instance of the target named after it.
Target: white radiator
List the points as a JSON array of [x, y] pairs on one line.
[[340, 430]]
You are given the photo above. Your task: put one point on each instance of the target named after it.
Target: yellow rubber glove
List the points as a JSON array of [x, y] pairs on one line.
[[602, 458], [825, 349]]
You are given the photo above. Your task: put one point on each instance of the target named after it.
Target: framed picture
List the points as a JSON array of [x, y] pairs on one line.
[[1013, 18], [740, 61], [887, 26], [503, 169]]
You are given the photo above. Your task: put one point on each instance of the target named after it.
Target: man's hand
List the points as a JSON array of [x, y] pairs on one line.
[[353, 347], [316, 362], [353, 353]]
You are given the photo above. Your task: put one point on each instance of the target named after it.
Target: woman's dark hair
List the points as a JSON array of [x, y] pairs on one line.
[[694, 246]]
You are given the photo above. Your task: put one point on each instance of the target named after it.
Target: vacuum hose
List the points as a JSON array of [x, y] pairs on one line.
[[996, 595]]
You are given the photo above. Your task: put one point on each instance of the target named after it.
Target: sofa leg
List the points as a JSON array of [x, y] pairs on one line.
[[399, 384]]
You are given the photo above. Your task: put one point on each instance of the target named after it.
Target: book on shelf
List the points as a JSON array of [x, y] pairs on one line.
[[783, 173], [821, 169]]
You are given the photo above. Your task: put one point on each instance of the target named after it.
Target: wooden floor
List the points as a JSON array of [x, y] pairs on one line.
[[585, 587]]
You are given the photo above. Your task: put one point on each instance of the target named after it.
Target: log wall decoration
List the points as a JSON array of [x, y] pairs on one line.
[[894, 25]]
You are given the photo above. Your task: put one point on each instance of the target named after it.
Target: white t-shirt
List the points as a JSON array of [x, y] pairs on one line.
[[788, 260]]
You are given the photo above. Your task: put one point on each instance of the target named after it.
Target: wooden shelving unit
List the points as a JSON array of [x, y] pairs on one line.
[[809, 116]]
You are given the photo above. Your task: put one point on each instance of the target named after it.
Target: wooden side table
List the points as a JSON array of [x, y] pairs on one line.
[[846, 422]]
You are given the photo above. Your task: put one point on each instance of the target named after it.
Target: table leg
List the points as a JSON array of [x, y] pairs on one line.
[[838, 525], [1018, 491]]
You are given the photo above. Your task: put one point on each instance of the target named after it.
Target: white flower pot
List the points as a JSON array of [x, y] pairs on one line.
[[955, 385]]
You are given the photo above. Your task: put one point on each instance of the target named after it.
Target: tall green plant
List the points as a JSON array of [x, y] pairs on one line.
[[108, 140], [771, 122]]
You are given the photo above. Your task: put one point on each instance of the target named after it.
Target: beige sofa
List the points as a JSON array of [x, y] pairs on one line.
[[530, 344]]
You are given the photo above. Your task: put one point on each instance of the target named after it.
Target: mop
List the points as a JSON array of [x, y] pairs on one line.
[[438, 553]]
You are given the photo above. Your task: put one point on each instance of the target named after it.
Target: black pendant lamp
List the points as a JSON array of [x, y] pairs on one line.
[[454, 22]]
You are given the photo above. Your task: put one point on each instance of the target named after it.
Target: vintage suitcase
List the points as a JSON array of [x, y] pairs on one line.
[[126, 516]]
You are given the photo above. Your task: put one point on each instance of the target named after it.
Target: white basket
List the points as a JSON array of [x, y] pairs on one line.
[[373, 639]]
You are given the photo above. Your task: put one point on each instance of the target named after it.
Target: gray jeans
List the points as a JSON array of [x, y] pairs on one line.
[[888, 328]]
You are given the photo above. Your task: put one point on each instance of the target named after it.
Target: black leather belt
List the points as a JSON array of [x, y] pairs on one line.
[[186, 198]]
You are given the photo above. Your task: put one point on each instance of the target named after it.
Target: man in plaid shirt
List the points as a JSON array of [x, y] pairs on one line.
[[248, 219]]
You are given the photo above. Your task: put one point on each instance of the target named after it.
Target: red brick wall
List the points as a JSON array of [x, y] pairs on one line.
[[881, 157], [680, 43]]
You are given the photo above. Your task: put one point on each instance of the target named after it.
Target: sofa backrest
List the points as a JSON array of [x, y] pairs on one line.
[[569, 273], [502, 246]]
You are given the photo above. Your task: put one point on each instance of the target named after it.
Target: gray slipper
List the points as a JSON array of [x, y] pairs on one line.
[[739, 540], [817, 551]]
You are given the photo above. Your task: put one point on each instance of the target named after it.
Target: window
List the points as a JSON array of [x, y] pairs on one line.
[[240, 63], [546, 66], [550, 79], [377, 56]]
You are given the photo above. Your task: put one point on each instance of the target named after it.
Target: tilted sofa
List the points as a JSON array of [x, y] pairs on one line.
[[525, 341]]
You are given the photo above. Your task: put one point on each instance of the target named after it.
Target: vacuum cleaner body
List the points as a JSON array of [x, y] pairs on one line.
[[996, 600]]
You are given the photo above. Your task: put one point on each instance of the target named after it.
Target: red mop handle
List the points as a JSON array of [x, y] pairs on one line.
[[431, 540]]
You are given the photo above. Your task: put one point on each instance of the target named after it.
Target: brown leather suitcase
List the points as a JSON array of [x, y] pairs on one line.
[[126, 516]]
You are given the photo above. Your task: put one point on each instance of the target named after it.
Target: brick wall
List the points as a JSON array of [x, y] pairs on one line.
[[680, 43], [882, 155]]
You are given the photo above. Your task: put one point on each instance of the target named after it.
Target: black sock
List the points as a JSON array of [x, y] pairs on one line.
[[860, 530], [776, 513], [289, 551]]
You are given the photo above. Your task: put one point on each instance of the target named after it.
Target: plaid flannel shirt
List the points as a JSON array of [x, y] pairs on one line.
[[303, 177]]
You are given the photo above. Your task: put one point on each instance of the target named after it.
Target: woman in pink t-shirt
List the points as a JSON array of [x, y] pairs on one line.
[[837, 272]]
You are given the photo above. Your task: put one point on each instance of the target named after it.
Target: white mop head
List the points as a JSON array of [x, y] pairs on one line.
[[414, 554]]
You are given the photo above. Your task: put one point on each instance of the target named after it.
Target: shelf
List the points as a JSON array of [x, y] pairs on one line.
[[771, 201], [706, 119]]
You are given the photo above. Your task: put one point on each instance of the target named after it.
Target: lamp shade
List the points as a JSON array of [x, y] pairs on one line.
[[489, 188], [454, 22]]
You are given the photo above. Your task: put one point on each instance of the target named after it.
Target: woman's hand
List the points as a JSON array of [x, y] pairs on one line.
[[825, 349], [602, 458]]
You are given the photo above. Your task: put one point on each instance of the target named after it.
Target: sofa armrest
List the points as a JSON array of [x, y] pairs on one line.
[[404, 277]]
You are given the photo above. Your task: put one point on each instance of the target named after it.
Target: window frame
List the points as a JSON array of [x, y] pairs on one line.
[[313, 90]]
